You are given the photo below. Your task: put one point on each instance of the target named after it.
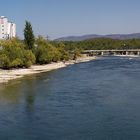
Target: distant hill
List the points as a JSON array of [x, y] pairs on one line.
[[93, 36]]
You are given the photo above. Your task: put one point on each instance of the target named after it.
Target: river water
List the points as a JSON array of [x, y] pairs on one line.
[[97, 100]]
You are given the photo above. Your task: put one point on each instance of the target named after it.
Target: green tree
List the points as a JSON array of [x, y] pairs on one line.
[[62, 51], [4, 61], [14, 55], [29, 37], [29, 58], [44, 54], [77, 53]]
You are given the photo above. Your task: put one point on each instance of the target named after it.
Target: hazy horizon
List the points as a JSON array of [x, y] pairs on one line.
[[73, 18]]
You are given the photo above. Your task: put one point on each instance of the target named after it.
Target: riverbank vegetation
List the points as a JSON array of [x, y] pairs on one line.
[[16, 53], [103, 44]]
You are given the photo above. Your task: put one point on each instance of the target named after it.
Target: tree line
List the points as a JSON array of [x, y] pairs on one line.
[[17, 53], [103, 44]]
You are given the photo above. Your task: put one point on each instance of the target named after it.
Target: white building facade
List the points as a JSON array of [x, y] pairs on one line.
[[7, 29]]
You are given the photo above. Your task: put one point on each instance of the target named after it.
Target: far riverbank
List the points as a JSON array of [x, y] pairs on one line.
[[7, 75]]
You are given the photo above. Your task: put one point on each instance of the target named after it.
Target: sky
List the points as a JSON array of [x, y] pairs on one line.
[[58, 18]]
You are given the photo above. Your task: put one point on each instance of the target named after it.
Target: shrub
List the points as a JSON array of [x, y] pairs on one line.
[[4, 61], [14, 54], [16, 63]]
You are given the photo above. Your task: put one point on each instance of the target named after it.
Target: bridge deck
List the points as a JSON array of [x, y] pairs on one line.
[[127, 50]]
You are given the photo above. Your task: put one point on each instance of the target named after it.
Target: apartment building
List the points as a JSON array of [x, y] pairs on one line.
[[7, 28]]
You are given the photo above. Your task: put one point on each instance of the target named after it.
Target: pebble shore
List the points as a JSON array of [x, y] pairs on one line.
[[6, 75]]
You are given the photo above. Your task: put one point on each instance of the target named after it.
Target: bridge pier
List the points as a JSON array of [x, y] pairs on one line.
[[114, 53], [127, 53]]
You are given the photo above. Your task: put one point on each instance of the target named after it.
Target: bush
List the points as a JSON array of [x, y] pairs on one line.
[[16, 63], [28, 64], [29, 56], [4, 61], [45, 52], [14, 54]]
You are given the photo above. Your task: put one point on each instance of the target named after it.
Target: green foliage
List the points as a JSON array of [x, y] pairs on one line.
[[14, 54], [28, 64], [103, 43], [16, 63], [41, 51], [42, 56], [29, 58], [47, 52], [29, 38], [64, 54], [76, 53], [4, 61]]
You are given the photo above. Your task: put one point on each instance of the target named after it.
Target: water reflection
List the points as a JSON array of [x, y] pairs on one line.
[[30, 95], [16, 91], [10, 93]]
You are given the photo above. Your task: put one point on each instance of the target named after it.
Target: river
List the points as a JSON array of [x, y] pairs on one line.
[[96, 100]]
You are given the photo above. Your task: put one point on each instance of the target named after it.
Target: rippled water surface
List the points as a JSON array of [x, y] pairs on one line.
[[97, 100]]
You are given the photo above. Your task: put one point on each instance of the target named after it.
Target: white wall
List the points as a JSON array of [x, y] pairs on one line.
[[7, 29]]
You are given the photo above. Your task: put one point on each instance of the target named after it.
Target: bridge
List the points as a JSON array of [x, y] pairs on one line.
[[112, 52]]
